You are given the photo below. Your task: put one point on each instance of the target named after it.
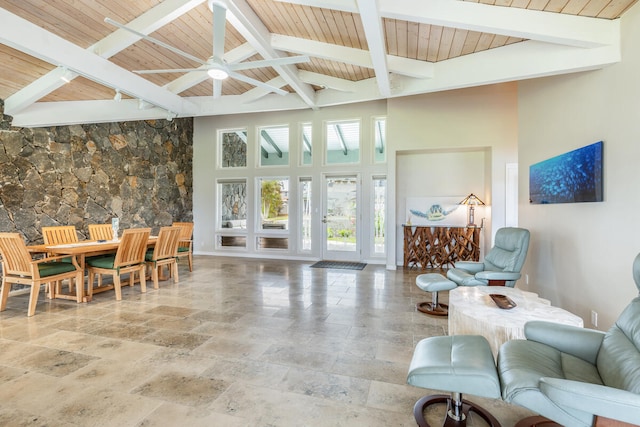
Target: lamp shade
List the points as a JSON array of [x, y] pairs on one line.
[[472, 200]]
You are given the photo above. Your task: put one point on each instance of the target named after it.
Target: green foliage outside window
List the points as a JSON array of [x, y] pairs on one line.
[[271, 199]]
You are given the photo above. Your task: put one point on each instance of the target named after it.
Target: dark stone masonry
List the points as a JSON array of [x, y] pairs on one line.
[[138, 171]]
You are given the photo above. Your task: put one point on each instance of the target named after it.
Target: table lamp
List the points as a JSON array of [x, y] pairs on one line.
[[471, 201]]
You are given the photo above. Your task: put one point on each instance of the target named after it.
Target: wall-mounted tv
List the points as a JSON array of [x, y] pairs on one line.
[[571, 177]]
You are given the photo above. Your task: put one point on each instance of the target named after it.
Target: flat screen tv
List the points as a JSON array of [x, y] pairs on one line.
[[571, 177]]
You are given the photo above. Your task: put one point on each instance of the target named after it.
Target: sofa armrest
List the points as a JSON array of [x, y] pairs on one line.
[[497, 275], [594, 399], [471, 266], [579, 342]]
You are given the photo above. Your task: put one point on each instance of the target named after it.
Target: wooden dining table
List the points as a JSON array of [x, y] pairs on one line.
[[81, 250]]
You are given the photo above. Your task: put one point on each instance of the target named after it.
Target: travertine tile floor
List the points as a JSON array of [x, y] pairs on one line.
[[238, 342]]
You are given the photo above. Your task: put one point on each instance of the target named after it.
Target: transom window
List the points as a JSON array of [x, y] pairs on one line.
[[306, 145], [274, 146], [232, 146], [343, 142], [380, 142]]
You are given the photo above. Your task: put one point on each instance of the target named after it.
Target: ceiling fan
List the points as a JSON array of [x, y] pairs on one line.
[[215, 66]]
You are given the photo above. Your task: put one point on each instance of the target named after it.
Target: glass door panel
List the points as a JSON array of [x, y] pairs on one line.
[[340, 218]]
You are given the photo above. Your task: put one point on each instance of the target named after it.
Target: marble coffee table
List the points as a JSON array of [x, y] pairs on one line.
[[473, 312]]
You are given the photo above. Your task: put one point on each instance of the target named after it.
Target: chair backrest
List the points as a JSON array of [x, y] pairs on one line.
[[100, 232], [186, 229], [132, 248], [167, 243], [619, 355], [15, 256], [509, 251], [59, 235], [186, 233]]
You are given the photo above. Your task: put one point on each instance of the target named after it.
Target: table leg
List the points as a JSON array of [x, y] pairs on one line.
[[81, 294]]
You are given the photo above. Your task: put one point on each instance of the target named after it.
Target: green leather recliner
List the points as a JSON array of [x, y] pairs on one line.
[[501, 265], [571, 375]]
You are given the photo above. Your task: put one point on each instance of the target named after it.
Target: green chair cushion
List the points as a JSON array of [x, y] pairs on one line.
[[52, 268], [105, 261], [148, 256], [183, 249]]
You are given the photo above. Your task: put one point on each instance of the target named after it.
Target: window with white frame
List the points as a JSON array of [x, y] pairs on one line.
[[379, 186], [274, 203], [342, 142], [304, 196], [232, 148], [380, 140], [274, 146], [232, 204], [306, 145]]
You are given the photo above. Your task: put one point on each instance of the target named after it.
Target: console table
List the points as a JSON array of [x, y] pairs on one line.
[[437, 247]]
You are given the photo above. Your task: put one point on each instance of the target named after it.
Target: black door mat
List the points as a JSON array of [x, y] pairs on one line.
[[339, 264]]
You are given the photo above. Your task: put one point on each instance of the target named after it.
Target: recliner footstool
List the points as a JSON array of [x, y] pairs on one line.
[[434, 283], [459, 364]]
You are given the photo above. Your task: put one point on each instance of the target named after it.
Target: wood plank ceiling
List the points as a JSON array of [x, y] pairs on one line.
[[358, 50]]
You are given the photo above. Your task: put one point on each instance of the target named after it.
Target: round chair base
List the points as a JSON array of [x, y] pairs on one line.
[[467, 406], [429, 308], [537, 421]]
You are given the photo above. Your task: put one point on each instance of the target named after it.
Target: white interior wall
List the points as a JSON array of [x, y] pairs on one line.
[[476, 119], [581, 254]]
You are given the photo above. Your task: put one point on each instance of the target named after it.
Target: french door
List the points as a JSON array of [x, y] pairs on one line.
[[341, 217]]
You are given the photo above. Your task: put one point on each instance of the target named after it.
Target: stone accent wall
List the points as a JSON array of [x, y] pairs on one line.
[[138, 171]]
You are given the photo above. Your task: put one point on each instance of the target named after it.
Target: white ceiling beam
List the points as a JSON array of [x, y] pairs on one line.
[[258, 92], [61, 113], [549, 27], [35, 41], [114, 43], [374, 33], [341, 5], [244, 19], [516, 22], [519, 61], [350, 55], [327, 82], [237, 104]]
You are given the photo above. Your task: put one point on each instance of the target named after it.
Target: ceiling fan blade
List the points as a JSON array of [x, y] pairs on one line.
[[170, 70], [155, 41], [268, 62], [258, 83], [219, 26], [217, 88]]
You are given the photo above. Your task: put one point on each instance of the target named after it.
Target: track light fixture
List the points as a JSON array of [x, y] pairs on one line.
[[143, 105]]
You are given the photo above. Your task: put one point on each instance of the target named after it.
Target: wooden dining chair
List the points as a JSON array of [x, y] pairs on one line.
[[185, 246], [129, 258], [60, 235], [18, 267], [164, 254], [100, 232]]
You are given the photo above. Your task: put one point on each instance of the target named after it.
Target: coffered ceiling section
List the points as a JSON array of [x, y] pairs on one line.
[[82, 61]]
